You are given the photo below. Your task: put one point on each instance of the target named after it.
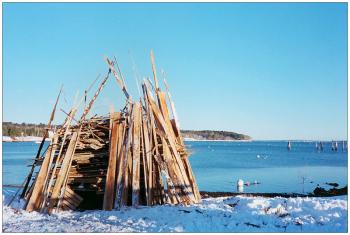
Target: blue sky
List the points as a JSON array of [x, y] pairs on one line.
[[269, 70]]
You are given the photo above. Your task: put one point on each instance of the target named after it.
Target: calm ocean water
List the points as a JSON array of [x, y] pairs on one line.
[[218, 165]]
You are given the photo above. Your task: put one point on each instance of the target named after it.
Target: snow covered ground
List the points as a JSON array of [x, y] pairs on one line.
[[225, 214]]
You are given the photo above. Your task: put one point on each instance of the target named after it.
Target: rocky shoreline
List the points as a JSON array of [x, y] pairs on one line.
[[318, 192]]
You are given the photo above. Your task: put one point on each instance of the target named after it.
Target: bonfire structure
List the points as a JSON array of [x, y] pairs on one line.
[[133, 157]]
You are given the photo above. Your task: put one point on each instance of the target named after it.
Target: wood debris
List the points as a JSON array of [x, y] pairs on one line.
[[133, 157]]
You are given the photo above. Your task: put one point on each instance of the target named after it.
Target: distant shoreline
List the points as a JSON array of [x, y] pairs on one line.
[[39, 139], [207, 140], [23, 139]]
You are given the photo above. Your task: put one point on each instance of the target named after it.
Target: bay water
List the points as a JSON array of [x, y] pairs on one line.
[[218, 165]]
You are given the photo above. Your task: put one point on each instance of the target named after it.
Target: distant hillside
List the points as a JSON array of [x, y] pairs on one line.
[[15, 129], [214, 135]]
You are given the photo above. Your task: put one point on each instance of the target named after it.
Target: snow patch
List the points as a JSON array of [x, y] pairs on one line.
[[224, 214]]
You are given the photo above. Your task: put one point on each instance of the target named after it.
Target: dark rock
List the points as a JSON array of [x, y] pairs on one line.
[[321, 192], [333, 184]]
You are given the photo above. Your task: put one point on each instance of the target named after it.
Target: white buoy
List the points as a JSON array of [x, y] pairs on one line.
[[240, 186]]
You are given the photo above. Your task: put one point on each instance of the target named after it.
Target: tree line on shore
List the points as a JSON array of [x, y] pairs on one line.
[[23, 129], [29, 129], [214, 135]]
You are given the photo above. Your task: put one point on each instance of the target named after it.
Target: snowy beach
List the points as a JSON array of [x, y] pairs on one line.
[[223, 214]]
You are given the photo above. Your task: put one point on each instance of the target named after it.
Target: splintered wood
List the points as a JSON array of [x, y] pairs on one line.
[[133, 157]]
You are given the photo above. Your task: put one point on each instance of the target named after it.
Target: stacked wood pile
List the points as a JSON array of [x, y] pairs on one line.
[[133, 157]]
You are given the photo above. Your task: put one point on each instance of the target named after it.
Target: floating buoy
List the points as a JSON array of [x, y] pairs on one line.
[[240, 183], [240, 186]]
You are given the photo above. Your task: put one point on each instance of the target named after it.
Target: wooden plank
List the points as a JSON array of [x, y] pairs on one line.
[[65, 208], [49, 182], [192, 179], [127, 180], [35, 199], [163, 126], [63, 171], [165, 112], [67, 204], [112, 164], [154, 71], [154, 194], [119, 80], [73, 200], [149, 135], [174, 179], [146, 156], [136, 154], [159, 186], [186, 163], [70, 201], [172, 106], [46, 134], [176, 127], [70, 193], [122, 171], [170, 179], [122, 131]]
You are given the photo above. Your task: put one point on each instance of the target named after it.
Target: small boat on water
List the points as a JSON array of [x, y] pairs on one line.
[[345, 146], [289, 146], [336, 146], [321, 146]]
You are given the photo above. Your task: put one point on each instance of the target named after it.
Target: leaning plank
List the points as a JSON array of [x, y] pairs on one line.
[[49, 182], [154, 71], [63, 171], [193, 183], [122, 171], [110, 178], [172, 177], [71, 199], [46, 134], [172, 106], [136, 154], [146, 160], [162, 125], [35, 199]]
